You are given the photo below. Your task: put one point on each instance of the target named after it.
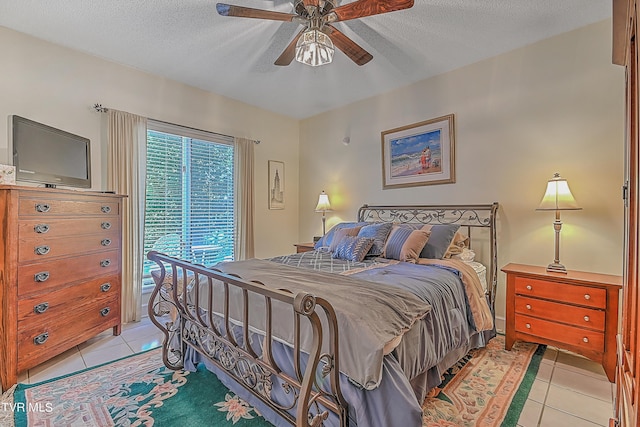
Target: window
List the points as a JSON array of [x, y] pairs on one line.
[[190, 199]]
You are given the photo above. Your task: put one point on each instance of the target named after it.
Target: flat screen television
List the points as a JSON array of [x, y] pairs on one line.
[[50, 156]]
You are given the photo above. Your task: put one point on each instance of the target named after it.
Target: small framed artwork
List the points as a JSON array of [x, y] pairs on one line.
[[419, 154], [7, 174], [276, 184]]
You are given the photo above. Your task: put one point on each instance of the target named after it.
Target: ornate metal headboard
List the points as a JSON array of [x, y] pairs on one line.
[[469, 217]]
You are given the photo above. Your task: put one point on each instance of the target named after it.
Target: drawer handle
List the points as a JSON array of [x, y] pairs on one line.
[[43, 207], [528, 325], [105, 287], [586, 318], [106, 209], [40, 339], [42, 250], [105, 311], [528, 306], [587, 296], [105, 263], [585, 339], [529, 287], [41, 228], [105, 242], [105, 225], [41, 308], [41, 277]]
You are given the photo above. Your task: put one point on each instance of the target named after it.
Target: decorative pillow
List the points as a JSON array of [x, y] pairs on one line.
[[405, 244], [352, 248], [325, 241], [458, 244], [378, 232], [467, 255], [442, 236], [343, 232]]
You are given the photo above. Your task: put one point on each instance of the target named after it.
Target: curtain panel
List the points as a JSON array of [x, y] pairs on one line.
[[126, 175], [244, 198]]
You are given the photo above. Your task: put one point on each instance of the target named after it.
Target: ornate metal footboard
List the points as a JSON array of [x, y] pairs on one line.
[[312, 391]]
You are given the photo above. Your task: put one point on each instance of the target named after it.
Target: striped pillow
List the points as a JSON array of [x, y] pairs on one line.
[[352, 248], [378, 232], [405, 244], [340, 234]]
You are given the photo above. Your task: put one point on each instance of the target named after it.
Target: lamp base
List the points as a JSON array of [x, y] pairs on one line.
[[556, 268]]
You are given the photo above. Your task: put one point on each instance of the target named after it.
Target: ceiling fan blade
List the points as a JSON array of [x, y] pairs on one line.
[[362, 8], [289, 52], [248, 12], [356, 53]]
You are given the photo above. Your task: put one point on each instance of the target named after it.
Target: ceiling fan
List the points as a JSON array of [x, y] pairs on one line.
[[314, 44]]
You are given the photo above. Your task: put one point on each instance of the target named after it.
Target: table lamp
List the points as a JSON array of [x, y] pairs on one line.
[[558, 198], [323, 206]]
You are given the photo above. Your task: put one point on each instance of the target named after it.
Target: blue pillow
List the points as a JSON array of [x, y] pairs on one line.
[[325, 241], [352, 248], [378, 232], [405, 244], [439, 240]]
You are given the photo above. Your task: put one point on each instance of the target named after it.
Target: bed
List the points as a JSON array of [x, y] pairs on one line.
[[317, 338]]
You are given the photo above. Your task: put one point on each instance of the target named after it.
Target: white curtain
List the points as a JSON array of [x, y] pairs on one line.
[[126, 174], [243, 179]]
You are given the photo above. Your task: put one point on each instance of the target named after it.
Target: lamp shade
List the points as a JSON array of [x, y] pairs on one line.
[[314, 48], [323, 203], [558, 196]]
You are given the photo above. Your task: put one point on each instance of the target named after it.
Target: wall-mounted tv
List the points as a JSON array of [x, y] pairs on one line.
[[50, 156]]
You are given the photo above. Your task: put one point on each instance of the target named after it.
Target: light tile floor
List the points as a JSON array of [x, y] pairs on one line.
[[569, 390]]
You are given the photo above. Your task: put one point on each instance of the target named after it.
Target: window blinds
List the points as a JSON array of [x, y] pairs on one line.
[[189, 196]]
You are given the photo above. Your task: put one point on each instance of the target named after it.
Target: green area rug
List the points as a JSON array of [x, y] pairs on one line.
[[487, 388], [134, 391]]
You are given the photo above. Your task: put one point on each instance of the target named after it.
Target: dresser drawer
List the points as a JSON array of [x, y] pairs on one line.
[[45, 307], [38, 341], [579, 316], [46, 207], [567, 293], [38, 277], [49, 228], [41, 248], [572, 336]]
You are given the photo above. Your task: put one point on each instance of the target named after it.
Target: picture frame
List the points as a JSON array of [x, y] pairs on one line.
[[276, 184], [419, 154]]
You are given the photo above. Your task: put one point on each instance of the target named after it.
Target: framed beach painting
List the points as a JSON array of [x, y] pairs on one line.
[[276, 184], [419, 154]]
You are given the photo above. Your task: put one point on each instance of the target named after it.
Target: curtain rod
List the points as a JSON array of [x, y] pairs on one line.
[[100, 109]]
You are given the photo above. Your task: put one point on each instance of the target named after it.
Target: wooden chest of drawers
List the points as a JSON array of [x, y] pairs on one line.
[[60, 273], [576, 311]]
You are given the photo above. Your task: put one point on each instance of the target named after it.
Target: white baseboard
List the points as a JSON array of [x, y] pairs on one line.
[[500, 324]]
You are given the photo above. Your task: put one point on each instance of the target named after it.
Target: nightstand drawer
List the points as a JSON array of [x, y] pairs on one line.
[[570, 335], [578, 316], [567, 293]]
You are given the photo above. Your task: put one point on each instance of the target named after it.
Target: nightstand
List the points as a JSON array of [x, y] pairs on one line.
[[303, 247], [577, 311]]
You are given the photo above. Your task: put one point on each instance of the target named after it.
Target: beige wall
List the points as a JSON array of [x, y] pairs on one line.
[[58, 86], [554, 106]]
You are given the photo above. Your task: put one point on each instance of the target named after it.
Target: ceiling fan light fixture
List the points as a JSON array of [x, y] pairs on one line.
[[314, 48]]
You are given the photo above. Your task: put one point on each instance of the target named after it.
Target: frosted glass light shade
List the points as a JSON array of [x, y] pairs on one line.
[[314, 48], [558, 196]]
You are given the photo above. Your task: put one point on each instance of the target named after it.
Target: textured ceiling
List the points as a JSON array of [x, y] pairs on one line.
[[187, 41]]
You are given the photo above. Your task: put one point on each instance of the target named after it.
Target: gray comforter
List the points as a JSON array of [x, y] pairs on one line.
[[372, 317]]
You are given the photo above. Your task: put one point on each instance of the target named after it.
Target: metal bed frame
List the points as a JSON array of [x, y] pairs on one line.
[[314, 389]]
